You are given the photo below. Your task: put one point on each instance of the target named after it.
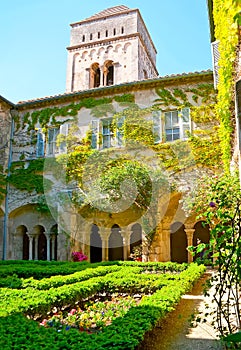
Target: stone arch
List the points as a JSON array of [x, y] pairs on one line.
[[178, 243], [94, 75], [109, 48], [117, 48], [136, 236], [92, 53], [201, 232], [39, 243], [115, 244], [126, 47], [100, 51], [95, 244], [84, 55], [21, 243]]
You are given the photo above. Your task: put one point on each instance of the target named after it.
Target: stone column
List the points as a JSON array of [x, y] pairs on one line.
[[105, 72], [126, 235], [165, 234], [104, 234], [48, 237], [101, 75], [189, 232], [53, 240], [35, 247], [30, 246]]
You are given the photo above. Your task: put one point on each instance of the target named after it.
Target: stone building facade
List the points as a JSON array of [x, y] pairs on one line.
[[39, 126]]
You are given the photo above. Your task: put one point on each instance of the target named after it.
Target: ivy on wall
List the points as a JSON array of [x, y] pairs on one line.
[[2, 184], [226, 32], [48, 115], [136, 125], [29, 179]]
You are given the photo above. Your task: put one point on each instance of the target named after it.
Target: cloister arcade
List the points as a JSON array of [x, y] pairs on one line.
[[37, 237]]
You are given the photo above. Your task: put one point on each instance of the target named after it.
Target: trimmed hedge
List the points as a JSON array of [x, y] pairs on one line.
[[18, 332]]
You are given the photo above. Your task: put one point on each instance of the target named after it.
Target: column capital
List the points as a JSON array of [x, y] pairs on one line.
[[104, 232], [189, 225], [31, 235]]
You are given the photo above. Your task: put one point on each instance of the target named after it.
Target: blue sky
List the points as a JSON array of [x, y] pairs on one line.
[[35, 34]]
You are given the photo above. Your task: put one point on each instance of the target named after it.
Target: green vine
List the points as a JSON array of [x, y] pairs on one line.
[[226, 32], [31, 178], [48, 116], [203, 93]]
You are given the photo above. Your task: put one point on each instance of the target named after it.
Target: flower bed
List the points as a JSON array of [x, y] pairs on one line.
[[93, 315]]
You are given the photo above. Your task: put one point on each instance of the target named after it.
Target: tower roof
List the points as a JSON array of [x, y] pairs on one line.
[[111, 11]]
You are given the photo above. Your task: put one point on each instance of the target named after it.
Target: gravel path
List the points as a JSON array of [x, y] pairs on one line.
[[175, 332]]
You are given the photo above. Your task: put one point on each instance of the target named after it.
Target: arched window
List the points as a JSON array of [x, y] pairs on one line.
[[106, 33], [91, 36], [94, 75], [83, 38], [114, 31], [108, 73], [98, 35], [122, 30]]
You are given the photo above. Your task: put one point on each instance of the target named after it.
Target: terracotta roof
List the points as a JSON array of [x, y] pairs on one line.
[[133, 83], [6, 101], [109, 12]]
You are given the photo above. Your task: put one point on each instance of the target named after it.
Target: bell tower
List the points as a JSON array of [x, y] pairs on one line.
[[109, 48]]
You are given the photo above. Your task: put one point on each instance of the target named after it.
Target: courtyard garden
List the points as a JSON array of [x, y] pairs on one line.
[[67, 305]]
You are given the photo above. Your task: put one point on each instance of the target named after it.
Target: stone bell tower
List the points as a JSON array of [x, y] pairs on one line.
[[110, 47]]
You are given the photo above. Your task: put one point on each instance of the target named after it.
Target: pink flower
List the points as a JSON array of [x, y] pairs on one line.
[[43, 323], [79, 256], [72, 312]]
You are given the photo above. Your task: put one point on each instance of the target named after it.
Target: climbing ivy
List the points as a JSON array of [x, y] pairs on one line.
[[2, 184], [29, 179], [48, 116], [226, 14]]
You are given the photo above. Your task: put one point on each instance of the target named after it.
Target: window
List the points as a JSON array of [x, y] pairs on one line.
[[114, 31], [157, 126], [94, 75], [40, 144], [98, 35], [108, 76], [106, 33], [177, 123], [63, 133], [107, 133], [52, 138], [91, 36], [122, 30], [108, 140], [83, 38]]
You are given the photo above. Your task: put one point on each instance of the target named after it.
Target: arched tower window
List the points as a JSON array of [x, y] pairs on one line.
[[108, 73], [94, 75]]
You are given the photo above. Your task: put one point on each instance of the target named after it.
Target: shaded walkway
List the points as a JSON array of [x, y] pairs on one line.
[[175, 332]]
